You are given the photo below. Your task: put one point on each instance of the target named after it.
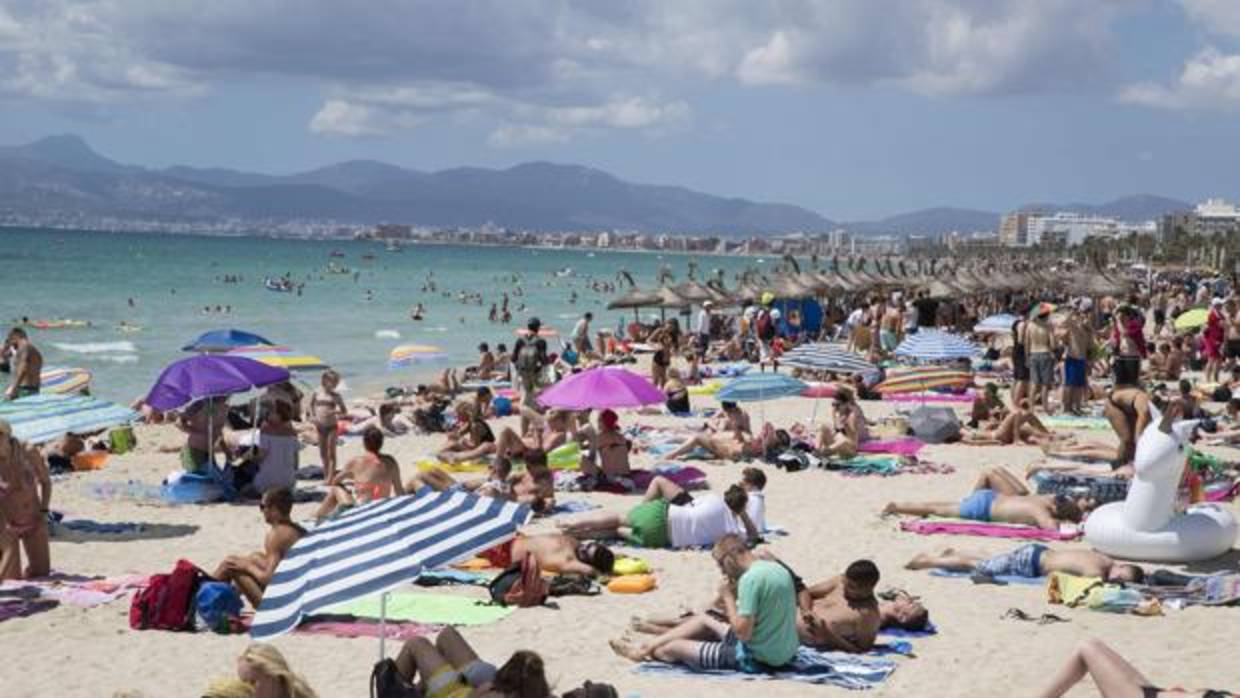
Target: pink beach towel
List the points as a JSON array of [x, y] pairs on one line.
[[687, 477], [908, 446], [931, 397], [358, 628], [972, 528]]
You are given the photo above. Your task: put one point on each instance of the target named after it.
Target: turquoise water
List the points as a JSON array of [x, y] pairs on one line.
[[90, 276]]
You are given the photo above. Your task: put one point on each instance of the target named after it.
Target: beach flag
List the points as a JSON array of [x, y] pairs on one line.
[[41, 418], [378, 546]]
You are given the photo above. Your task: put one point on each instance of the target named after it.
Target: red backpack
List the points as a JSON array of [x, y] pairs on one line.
[[520, 585], [167, 600]]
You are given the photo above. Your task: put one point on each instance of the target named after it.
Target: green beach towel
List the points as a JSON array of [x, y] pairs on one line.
[[1070, 422], [443, 609]]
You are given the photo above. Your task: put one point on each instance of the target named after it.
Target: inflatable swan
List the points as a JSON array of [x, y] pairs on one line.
[[1145, 525]]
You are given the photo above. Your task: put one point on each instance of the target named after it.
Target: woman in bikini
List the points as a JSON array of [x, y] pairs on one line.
[[25, 493], [1020, 425], [368, 477], [472, 440], [843, 439], [735, 446], [326, 409]]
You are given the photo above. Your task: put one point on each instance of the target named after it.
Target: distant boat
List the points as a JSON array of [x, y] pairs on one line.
[[566, 271], [336, 253], [278, 285]]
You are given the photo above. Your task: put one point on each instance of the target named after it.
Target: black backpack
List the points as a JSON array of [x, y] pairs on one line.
[[386, 682]]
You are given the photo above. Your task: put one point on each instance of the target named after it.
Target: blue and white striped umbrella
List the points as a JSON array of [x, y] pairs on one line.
[[41, 418], [935, 345], [378, 546], [826, 357], [754, 387], [996, 324]]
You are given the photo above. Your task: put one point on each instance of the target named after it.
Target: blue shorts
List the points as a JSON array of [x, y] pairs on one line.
[[977, 505], [1074, 373], [1025, 561]]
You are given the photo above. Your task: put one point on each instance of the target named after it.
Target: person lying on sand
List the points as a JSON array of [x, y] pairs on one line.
[[736, 446], [535, 486], [251, 573], [450, 668], [370, 476], [731, 419], [987, 407], [658, 523], [999, 497], [555, 552], [471, 439], [25, 495], [759, 632], [1031, 560], [1018, 425], [389, 420], [1114, 677]]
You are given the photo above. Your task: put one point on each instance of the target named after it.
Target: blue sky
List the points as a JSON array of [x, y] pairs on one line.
[[855, 108]]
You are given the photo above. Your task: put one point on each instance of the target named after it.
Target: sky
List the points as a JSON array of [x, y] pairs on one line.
[[857, 109]]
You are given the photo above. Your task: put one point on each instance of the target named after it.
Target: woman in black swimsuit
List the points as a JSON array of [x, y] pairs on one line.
[[1020, 365], [1114, 676]]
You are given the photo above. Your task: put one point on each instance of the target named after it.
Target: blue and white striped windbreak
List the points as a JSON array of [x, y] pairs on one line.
[[935, 345], [41, 418], [996, 324], [378, 546], [826, 357]]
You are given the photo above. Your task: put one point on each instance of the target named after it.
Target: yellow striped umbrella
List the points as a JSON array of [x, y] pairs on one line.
[[408, 354], [922, 379], [280, 356]]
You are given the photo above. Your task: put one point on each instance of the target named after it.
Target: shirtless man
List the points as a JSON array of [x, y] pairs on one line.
[[486, 364], [513, 446], [998, 496], [1018, 426], [251, 573], [25, 494], [731, 418], [1079, 341], [1040, 345], [1032, 560], [736, 446], [370, 476], [843, 613], [558, 553], [27, 365]]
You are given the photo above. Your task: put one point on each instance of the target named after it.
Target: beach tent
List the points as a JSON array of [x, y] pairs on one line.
[[41, 418], [223, 340], [281, 356], [601, 388], [378, 546]]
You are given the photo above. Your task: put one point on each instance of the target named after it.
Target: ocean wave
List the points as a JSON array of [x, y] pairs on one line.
[[115, 358], [96, 347], [387, 334]]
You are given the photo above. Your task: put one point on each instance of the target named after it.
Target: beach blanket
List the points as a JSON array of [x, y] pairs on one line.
[[960, 527], [424, 608], [1218, 589], [1004, 578], [21, 608], [867, 464], [901, 447], [1099, 488], [686, 476], [810, 666], [434, 578], [930, 629], [1066, 421], [573, 506], [82, 592], [930, 397], [347, 626], [470, 467]]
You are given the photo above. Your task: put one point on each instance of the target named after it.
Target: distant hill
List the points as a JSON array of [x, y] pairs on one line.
[[63, 174], [931, 221], [1139, 207]]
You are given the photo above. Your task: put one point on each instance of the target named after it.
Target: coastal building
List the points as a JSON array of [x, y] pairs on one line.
[[1215, 217], [1062, 229], [1014, 229]]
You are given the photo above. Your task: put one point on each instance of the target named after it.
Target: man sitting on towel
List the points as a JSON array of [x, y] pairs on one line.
[[555, 552], [998, 496], [1031, 560], [760, 633], [251, 573]]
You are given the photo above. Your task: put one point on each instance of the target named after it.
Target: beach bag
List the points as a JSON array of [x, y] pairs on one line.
[[386, 682], [121, 440], [765, 327], [167, 600], [528, 361], [217, 604], [520, 585]]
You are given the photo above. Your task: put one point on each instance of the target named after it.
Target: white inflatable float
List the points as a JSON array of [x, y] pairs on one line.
[[1145, 526]]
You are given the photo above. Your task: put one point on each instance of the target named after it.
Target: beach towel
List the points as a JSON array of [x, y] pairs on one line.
[[867, 464], [810, 666], [573, 506], [1004, 578], [930, 397], [929, 630], [1218, 589], [424, 608], [470, 467], [1065, 421], [21, 608], [687, 477], [901, 447], [433, 578], [1099, 488], [82, 592], [960, 527], [347, 626]]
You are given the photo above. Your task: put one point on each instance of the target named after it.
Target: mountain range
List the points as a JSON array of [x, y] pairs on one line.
[[63, 174]]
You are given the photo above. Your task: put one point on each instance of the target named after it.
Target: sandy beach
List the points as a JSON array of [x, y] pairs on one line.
[[833, 520]]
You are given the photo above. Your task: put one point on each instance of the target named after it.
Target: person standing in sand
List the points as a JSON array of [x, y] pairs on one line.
[[27, 365], [1079, 342], [1039, 341], [327, 407], [251, 573], [529, 359], [25, 495]]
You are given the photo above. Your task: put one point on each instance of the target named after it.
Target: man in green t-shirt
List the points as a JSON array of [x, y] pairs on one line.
[[759, 600]]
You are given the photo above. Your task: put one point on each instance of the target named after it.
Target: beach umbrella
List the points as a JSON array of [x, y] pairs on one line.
[[634, 298], [826, 357], [223, 340], [600, 388], [63, 381], [409, 354], [1191, 319], [380, 545], [921, 379], [210, 375], [936, 345], [281, 356], [755, 387], [996, 324], [41, 418]]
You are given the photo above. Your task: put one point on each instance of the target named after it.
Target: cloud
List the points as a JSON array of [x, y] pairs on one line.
[[517, 135], [340, 118], [1209, 80], [1215, 16]]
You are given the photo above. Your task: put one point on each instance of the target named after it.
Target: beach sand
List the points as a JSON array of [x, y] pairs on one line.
[[832, 519]]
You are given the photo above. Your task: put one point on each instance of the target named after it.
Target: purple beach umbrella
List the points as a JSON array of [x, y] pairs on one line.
[[210, 375], [600, 388]]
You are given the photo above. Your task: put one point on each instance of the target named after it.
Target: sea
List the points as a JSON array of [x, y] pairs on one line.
[[180, 287]]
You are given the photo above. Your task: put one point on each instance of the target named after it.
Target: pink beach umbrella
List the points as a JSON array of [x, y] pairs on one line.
[[600, 388]]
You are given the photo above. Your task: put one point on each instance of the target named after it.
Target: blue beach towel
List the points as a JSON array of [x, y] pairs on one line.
[[928, 631], [1005, 578], [573, 506], [810, 666]]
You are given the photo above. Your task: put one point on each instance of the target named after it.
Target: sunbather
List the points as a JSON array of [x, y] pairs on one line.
[[735, 446], [450, 668], [535, 486], [661, 524], [1031, 560], [1113, 676], [25, 495], [844, 437], [545, 437], [1000, 497], [370, 476], [472, 439], [251, 573], [555, 552], [1018, 425], [607, 450]]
